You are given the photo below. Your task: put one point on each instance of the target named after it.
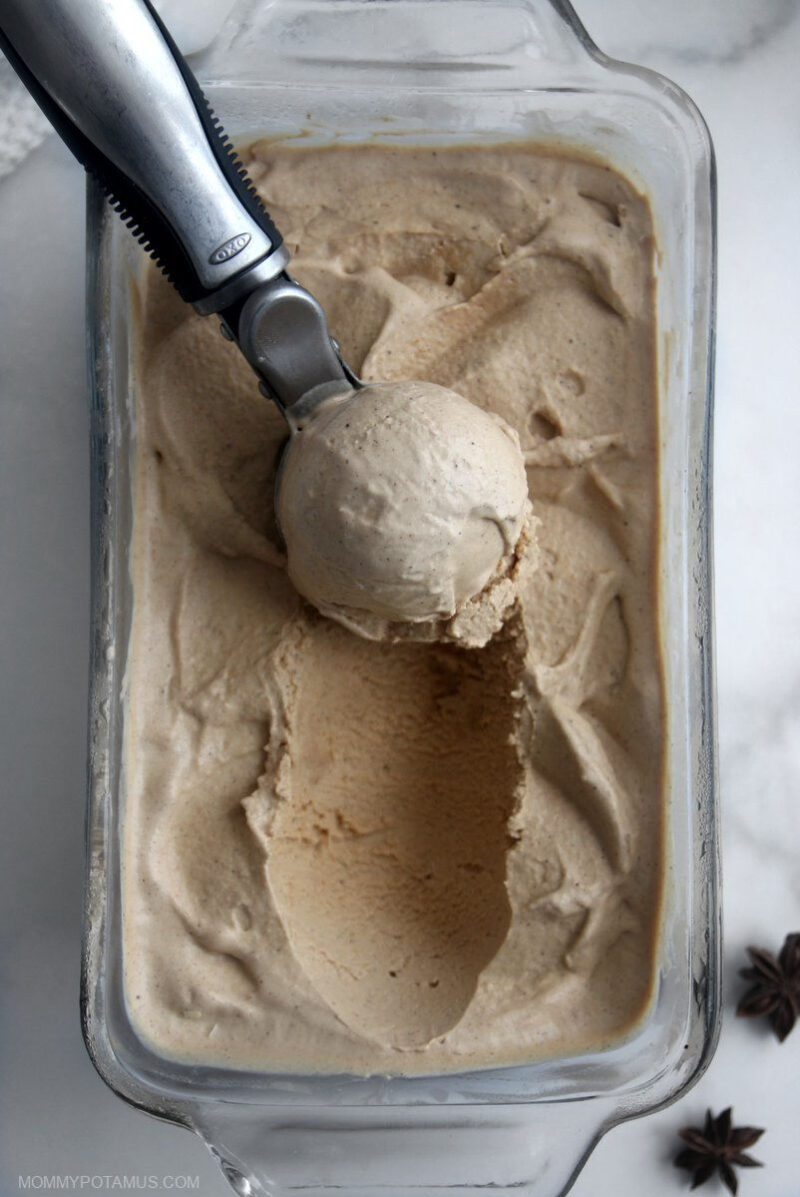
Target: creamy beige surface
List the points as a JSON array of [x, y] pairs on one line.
[[367, 856], [402, 502]]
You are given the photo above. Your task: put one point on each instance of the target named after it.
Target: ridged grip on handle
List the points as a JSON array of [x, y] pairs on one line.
[[117, 90]]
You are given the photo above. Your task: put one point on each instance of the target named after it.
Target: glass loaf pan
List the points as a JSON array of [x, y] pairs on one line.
[[443, 71]]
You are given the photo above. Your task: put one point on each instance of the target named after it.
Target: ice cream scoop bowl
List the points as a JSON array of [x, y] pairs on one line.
[[400, 501]]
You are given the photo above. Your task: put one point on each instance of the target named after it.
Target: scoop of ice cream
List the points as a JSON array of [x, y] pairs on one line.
[[400, 502]]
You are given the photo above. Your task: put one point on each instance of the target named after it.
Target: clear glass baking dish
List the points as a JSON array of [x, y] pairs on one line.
[[445, 71]]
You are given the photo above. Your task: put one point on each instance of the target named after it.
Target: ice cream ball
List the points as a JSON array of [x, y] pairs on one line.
[[401, 500]]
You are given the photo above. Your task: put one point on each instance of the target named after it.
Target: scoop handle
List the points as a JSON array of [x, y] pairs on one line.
[[116, 88]]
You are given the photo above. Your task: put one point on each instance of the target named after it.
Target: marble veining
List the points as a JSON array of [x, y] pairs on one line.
[[690, 32]]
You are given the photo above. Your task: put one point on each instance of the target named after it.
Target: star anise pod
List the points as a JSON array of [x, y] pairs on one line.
[[775, 992], [716, 1148]]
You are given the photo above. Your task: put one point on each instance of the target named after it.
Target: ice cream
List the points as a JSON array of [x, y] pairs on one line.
[[400, 501], [353, 855]]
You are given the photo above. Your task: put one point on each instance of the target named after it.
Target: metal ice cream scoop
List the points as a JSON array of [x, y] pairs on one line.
[[116, 88]]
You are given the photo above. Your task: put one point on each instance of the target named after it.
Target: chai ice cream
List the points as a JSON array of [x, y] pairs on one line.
[[396, 855], [401, 503]]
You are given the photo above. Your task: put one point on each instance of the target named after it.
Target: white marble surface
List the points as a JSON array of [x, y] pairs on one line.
[[739, 60]]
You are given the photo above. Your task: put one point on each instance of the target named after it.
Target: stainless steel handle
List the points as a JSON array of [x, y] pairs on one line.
[[109, 71]]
